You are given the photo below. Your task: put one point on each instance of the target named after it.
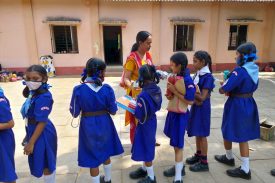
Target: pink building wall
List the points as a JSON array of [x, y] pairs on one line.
[[188, 10], [138, 15], [13, 43], [67, 8], [19, 48], [255, 30], [272, 50]]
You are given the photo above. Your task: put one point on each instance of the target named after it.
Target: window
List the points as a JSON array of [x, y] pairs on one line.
[[64, 39], [183, 37], [237, 36]]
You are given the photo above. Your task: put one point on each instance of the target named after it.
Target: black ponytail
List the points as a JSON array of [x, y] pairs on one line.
[[147, 73], [209, 61], [94, 68], [26, 92], [204, 56], [84, 76], [141, 37], [180, 58], [135, 47], [156, 76]]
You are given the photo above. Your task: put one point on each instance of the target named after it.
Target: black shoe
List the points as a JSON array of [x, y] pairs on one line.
[[199, 167], [137, 174], [103, 181], [148, 180], [171, 172], [192, 160], [178, 181], [272, 172], [223, 159], [238, 172]]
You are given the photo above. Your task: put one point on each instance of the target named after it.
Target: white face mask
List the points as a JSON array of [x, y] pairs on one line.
[[33, 85]]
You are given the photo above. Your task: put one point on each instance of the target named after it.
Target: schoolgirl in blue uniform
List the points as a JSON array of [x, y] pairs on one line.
[[7, 142], [98, 138], [240, 118], [200, 114], [148, 103], [41, 141], [176, 123]]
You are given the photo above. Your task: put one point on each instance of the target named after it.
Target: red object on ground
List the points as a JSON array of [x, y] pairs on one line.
[[13, 79], [268, 68]]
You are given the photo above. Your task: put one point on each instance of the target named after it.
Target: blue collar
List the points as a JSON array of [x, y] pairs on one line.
[[253, 71], [1, 92]]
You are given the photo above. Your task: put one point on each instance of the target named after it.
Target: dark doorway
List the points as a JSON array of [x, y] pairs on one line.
[[112, 40]]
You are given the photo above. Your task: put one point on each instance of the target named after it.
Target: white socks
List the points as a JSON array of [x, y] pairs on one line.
[[178, 167], [150, 172], [108, 172], [229, 154], [245, 164], [49, 178], [143, 167], [107, 176], [96, 179]]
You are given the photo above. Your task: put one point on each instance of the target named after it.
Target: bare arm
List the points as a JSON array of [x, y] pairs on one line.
[[172, 88], [8, 125], [203, 96], [127, 78]]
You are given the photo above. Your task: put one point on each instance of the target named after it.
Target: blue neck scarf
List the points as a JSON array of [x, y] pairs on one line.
[[250, 66], [1, 92], [27, 104], [253, 71]]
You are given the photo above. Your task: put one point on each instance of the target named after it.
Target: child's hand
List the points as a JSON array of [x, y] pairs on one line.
[[135, 86], [169, 97], [171, 88], [28, 149], [198, 89], [25, 141], [198, 102]]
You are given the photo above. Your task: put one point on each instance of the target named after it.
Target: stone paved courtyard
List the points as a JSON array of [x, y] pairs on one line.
[[262, 153]]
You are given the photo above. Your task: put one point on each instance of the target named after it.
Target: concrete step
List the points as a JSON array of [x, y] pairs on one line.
[[114, 71]]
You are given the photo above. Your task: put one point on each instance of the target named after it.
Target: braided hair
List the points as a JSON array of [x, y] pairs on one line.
[[94, 69], [147, 73], [180, 58], [204, 56]]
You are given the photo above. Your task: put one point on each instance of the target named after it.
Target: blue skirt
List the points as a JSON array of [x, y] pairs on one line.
[[143, 148], [175, 126], [199, 122], [98, 141], [45, 150], [7, 149], [240, 120]]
